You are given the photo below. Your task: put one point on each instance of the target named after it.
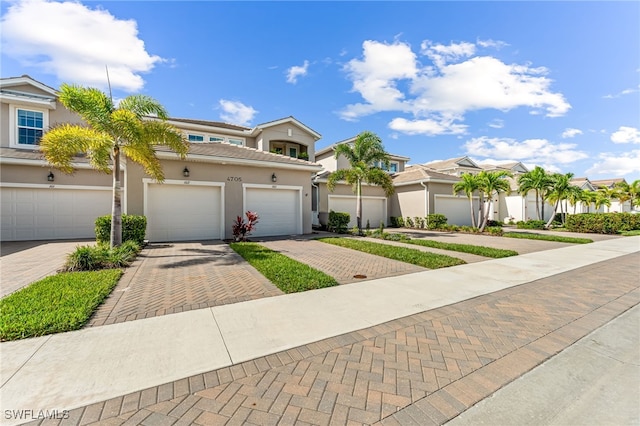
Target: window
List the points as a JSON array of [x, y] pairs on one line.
[[195, 138], [216, 139], [234, 141], [393, 166], [293, 152], [278, 150], [27, 127]]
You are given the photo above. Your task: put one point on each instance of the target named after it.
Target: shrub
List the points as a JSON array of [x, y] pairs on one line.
[[419, 221], [397, 222], [241, 228], [303, 156], [494, 230], [368, 225], [531, 224], [338, 222], [493, 223], [408, 222], [436, 221], [603, 223], [134, 228], [93, 258]]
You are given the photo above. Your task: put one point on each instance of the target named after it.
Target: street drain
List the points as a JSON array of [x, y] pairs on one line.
[[359, 276]]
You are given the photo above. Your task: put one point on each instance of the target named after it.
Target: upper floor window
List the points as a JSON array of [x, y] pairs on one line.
[[195, 138], [393, 166], [216, 139], [235, 141], [27, 127]]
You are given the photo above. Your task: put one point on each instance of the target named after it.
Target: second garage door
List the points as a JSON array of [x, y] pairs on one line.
[[374, 209], [456, 209], [179, 212], [279, 210]]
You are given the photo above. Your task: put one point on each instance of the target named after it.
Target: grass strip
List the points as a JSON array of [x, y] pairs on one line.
[[58, 303], [630, 233], [545, 237], [403, 254], [287, 274], [464, 248]]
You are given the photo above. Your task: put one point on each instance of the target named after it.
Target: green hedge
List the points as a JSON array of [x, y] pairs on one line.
[[338, 222], [436, 221], [134, 228], [531, 224], [397, 222], [603, 223]]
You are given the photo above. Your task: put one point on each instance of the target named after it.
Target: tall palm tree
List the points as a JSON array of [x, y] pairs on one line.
[[601, 198], [606, 193], [468, 184], [537, 180], [576, 195], [628, 192], [558, 192], [491, 183], [109, 132], [363, 155]]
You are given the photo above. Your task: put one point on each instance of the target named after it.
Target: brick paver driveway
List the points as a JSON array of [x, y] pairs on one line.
[[419, 370], [176, 277]]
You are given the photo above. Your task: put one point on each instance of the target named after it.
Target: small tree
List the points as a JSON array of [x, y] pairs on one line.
[[242, 229]]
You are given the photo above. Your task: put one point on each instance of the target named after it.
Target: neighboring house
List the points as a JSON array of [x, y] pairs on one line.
[[421, 191], [229, 170], [455, 166], [616, 205], [375, 205]]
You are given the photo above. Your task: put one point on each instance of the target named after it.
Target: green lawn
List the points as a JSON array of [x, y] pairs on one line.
[[62, 302], [287, 274], [464, 248], [403, 254], [546, 237]]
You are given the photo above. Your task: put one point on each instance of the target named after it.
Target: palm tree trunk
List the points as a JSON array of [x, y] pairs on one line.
[[537, 205], [485, 217], [116, 208], [480, 210], [552, 216], [473, 216], [359, 206]]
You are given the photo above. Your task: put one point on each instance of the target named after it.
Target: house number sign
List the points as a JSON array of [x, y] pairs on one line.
[[234, 179]]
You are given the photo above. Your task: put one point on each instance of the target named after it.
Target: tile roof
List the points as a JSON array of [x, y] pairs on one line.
[[606, 182], [420, 172], [227, 150], [448, 164], [218, 124]]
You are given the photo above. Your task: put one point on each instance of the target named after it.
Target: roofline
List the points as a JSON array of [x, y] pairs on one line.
[[15, 81], [425, 180], [290, 119], [203, 127], [333, 147], [312, 167]]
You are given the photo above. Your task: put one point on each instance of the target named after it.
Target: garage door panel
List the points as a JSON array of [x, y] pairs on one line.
[[51, 213], [278, 209], [456, 210], [373, 209], [181, 212]]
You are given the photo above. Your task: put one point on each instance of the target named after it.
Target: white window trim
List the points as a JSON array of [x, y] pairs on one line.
[[242, 140], [13, 125], [189, 134]]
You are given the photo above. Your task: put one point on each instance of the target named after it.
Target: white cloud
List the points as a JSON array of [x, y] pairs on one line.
[[75, 42], [496, 44], [622, 93], [626, 135], [236, 112], [428, 127], [496, 123], [538, 151], [297, 71], [390, 78], [616, 164], [569, 133]]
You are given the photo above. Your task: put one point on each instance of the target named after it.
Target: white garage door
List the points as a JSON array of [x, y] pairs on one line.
[[179, 212], [456, 209], [279, 210], [51, 213], [374, 209]]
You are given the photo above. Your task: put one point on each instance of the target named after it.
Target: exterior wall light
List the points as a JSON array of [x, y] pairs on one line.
[[50, 177], [274, 178], [185, 172]]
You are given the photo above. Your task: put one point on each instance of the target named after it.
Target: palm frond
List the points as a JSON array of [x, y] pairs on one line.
[[60, 144], [89, 103], [143, 105]]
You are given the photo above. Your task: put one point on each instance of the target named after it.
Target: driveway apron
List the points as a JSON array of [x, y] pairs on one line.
[[177, 277]]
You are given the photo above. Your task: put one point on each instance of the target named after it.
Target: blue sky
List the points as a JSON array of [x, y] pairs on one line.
[[555, 84]]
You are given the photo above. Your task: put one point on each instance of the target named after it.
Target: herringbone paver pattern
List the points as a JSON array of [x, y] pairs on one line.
[[341, 263], [423, 369], [178, 277]]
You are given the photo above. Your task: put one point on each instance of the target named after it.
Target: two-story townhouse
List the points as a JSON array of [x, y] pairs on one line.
[[229, 170]]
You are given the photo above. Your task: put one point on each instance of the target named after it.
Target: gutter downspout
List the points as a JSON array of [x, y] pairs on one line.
[[426, 202], [317, 191]]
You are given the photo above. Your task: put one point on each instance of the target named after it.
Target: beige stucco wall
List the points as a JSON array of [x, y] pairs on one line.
[[280, 133], [37, 174], [409, 200], [4, 124], [233, 178]]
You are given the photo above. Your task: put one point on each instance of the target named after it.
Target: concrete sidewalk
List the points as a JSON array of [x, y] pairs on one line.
[[74, 369]]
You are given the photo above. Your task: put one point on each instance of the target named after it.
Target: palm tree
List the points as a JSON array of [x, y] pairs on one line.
[[604, 192], [590, 198], [363, 155], [558, 192], [468, 184], [601, 198], [111, 131], [575, 196], [539, 181], [491, 183], [628, 192]]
